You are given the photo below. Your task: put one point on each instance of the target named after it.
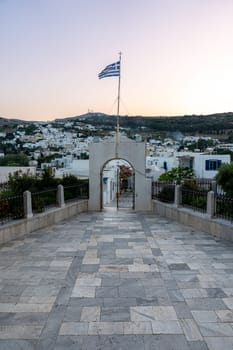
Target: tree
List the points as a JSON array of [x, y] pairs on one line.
[[177, 174], [224, 178], [14, 160]]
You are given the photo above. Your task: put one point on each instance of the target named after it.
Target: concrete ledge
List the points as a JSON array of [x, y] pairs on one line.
[[17, 229], [219, 229]]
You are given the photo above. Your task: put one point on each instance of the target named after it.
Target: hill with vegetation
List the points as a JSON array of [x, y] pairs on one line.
[[215, 124]]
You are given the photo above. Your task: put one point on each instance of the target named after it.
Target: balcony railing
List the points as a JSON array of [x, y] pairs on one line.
[[193, 194], [163, 191], [43, 200], [11, 208], [74, 192], [224, 207], [27, 203], [194, 199]]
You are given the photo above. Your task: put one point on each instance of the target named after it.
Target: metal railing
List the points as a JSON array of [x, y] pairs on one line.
[[163, 191], [74, 192], [11, 208], [224, 207], [43, 200], [196, 199]]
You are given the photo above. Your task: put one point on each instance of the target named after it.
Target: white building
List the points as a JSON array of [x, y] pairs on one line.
[[205, 165], [5, 171]]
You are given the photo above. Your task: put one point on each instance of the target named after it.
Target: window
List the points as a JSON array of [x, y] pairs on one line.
[[212, 164]]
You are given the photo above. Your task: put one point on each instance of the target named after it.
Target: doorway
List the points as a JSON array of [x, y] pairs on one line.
[[117, 185]]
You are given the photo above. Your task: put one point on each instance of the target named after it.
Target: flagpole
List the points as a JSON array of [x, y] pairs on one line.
[[118, 110]]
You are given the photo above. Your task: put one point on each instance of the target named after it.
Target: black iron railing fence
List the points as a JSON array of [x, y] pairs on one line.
[[224, 207], [194, 195], [196, 199], [74, 192], [44, 199], [164, 191], [11, 208]]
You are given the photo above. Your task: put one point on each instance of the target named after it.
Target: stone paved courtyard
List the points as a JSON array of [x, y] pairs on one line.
[[116, 280]]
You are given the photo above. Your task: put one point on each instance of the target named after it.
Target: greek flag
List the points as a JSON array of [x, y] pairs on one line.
[[112, 70]]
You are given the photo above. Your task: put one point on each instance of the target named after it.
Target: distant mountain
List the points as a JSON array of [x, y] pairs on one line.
[[85, 116], [216, 124]]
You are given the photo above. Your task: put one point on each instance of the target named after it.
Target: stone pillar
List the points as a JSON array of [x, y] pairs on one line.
[[210, 203], [27, 204], [178, 195], [60, 196], [214, 186]]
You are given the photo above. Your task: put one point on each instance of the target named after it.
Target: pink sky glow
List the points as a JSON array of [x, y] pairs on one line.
[[176, 57]]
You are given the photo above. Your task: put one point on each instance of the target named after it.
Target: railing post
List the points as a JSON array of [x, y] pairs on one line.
[[60, 196], [214, 186], [27, 204], [210, 204], [178, 195]]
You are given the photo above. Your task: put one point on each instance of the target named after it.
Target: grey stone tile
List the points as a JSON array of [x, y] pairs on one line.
[[147, 301], [175, 295], [182, 310], [132, 292], [78, 302], [215, 293], [206, 304], [180, 266], [111, 281], [198, 345], [216, 330], [101, 342], [120, 302], [89, 268], [216, 343], [106, 292], [17, 344], [72, 314], [112, 314], [165, 342]]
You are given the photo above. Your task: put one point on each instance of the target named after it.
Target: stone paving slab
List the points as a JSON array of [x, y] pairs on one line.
[[116, 280]]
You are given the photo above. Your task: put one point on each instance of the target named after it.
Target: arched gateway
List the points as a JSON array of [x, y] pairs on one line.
[[131, 151]]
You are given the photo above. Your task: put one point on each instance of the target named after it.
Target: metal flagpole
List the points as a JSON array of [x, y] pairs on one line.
[[118, 110]]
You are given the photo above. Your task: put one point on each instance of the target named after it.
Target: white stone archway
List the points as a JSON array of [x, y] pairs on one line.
[[114, 187], [131, 151]]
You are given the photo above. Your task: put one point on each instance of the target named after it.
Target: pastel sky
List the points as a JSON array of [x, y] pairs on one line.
[[177, 57]]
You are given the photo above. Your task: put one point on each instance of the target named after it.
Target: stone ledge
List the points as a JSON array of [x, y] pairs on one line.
[[218, 228], [18, 228]]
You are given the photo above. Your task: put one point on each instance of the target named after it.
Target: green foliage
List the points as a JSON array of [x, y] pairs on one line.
[[47, 159], [48, 180], [14, 160], [224, 178], [201, 144], [69, 180], [199, 202], [20, 182], [177, 174]]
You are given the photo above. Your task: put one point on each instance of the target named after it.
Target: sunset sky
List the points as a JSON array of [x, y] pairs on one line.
[[177, 57]]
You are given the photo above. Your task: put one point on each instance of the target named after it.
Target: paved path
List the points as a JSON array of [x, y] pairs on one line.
[[116, 281]]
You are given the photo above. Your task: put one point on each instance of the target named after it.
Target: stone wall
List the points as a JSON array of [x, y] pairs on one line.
[[219, 229], [18, 229]]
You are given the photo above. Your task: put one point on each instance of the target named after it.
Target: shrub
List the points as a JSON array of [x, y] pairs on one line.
[[224, 178]]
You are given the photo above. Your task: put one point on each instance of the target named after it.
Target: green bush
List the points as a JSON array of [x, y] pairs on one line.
[[177, 174], [224, 178]]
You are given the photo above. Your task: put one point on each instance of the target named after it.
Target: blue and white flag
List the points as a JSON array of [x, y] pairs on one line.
[[112, 70]]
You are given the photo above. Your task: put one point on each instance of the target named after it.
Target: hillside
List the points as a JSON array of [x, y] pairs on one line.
[[221, 123]]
